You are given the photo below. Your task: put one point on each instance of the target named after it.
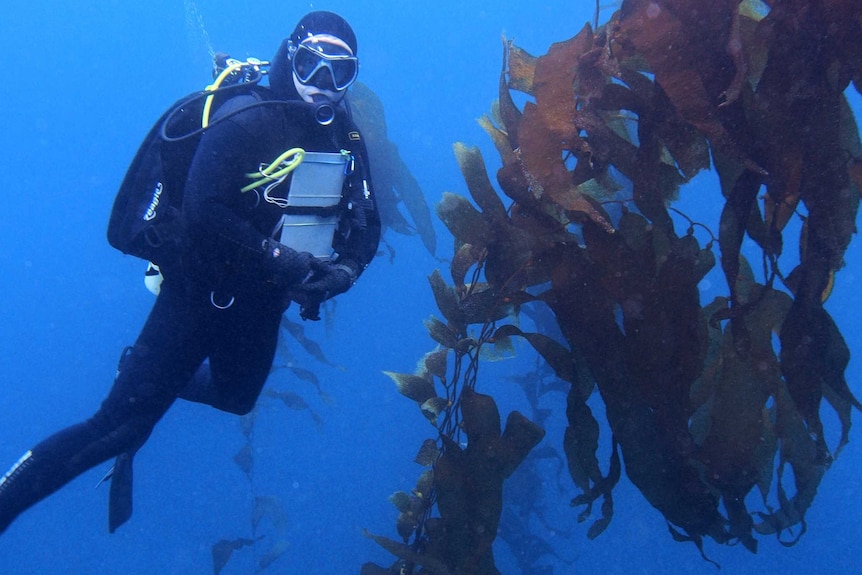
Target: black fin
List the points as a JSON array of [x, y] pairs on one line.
[[120, 498]]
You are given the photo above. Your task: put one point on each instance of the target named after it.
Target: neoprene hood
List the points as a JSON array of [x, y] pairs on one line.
[[319, 22]]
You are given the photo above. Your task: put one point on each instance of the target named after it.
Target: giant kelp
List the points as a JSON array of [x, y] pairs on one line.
[[706, 401], [270, 507], [394, 183]]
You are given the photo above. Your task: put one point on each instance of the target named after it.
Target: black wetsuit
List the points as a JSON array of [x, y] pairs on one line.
[[223, 261]]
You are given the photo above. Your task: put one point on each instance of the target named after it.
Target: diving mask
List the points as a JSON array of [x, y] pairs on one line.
[[320, 52]]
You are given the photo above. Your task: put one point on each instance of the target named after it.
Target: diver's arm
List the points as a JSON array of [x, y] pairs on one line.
[[211, 201], [216, 215]]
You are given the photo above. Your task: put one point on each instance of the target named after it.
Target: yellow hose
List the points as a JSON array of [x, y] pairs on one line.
[[275, 170], [233, 67]]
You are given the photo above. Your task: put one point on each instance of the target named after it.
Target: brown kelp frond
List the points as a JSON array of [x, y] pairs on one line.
[[416, 387], [705, 401]]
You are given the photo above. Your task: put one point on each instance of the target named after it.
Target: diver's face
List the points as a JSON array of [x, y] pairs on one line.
[[308, 92], [323, 65]]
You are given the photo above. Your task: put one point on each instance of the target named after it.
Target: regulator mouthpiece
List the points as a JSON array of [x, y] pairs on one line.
[[324, 111]]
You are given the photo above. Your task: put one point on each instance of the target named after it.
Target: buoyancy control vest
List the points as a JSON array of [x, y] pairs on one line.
[[145, 218]]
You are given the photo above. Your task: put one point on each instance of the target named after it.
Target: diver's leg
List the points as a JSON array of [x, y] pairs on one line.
[[240, 359], [162, 360]]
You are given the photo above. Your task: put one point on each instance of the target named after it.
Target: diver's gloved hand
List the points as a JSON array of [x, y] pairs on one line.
[[286, 266], [327, 281]]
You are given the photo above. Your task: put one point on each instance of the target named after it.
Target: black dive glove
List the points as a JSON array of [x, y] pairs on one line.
[[286, 266], [327, 280]]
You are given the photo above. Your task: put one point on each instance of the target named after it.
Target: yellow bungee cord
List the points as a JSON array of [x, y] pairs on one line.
[[273, 174]]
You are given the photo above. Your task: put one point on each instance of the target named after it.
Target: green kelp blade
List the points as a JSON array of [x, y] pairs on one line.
[[440, 332], [223, 549], [309, 376], [519, 437], [244, 458], [406, 524], [309, 345], [843, 410], [401, 501], [502, 348], [393, 182], [500, 139], [506, 112], [435, 362], [424, 484], [466, 257], [555, 354], [447, 300], [476, 175], [305, 375], [432, 565], [580, 442], [432, 408], [599, 526], [428, 453], [521, 68], [414, 387], [464, 221], [481, 420], [269, 506], [278, 549], [484, 304], [290, 399], [246, 423], [318, 420]]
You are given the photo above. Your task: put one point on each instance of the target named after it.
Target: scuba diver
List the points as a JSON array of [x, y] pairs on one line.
[[276, 206]]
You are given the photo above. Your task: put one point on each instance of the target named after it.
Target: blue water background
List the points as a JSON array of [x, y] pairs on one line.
[[82, 84]]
